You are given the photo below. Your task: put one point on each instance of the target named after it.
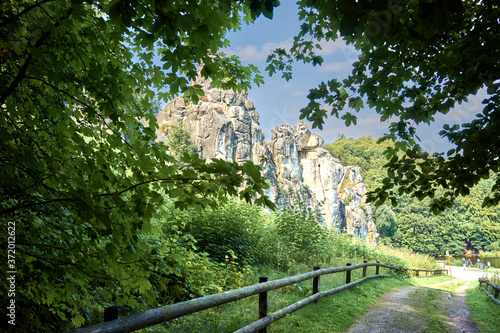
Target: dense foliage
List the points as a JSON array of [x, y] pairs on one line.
[[82, 178], [467, 225], [418, 58], [103, 214]]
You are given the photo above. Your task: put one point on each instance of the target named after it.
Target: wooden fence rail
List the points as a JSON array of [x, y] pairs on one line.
[[159, 315], [268, 320], [429, 270], [496, 289]]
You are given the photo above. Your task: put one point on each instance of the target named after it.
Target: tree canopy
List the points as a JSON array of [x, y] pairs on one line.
[[418, 58], [82, 176], [464, 226]]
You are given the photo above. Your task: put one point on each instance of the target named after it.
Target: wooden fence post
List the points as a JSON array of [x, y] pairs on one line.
[[377, 268], [348, 275], [114, 312], [417, 272], [316, 281], [263, 303], [364, 269]]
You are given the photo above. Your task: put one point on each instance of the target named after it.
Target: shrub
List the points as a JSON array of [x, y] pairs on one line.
[[294, 235], [234, 226]]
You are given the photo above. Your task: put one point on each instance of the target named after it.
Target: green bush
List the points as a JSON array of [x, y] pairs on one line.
[[294, 235], [234, 226]]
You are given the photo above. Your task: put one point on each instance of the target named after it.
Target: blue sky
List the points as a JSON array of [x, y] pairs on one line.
[[279, 102]]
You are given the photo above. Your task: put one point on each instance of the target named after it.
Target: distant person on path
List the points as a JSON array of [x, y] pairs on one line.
[[464, 263], [469, 262]]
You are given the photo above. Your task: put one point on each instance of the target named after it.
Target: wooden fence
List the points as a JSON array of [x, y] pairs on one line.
[[496, 290], [159, 315], [431, 271]]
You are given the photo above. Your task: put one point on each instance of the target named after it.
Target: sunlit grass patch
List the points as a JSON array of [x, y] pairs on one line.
[[483, 311], [425, 281], [430, 303], [452, 286]]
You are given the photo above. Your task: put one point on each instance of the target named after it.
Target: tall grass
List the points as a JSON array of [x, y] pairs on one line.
[[411, 259], [238, 243]]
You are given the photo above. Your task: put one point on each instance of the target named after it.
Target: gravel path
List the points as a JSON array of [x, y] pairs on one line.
[[459, 313], [391, 313], [402, 310]]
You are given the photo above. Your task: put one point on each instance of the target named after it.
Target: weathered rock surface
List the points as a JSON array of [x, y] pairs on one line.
[[225, 124]]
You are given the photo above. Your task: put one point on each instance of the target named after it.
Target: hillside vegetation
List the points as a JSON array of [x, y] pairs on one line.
[[197, 252], [465, 226]]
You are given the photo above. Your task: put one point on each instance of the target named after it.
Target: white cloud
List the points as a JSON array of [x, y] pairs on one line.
[[331, 47], [272, 117], [252, 53], [338, 66], [369, 125], [300, 93], [431, 141]]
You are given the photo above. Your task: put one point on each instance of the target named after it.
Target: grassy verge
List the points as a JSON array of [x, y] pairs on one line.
[[451, 287], [237, 250], [337, 312], [332, 314], [425, 281], [484, 312]]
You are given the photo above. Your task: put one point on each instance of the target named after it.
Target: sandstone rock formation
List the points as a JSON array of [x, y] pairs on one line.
[[225, 124]]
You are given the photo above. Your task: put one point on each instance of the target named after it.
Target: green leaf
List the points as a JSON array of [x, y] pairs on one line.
[[78, 320], [356, 103], [192, 93], [317, 60], [348, 25]]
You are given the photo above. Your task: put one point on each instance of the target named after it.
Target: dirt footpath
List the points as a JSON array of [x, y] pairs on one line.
[[418, 310]]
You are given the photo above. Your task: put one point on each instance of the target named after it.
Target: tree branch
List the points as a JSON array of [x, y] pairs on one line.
[[37, 4], [22, 72], [82, 103], [61, 200]]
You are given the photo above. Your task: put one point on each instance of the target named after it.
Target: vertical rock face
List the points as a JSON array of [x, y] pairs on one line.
[[225, 124]]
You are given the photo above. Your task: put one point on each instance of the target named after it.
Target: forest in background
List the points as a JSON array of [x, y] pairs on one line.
[[465, 226]]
